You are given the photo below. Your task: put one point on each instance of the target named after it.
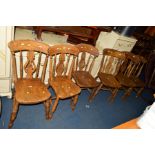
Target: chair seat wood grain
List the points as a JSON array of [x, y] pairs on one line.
[[30, 91], [85, 79], [139, 82], [109, 80], [125, 81], [64, 87]]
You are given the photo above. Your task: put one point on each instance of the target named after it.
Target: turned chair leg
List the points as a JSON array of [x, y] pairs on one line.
[[14, 113], [74, 102], [127, 93], [47, 109], [112, 97], [53, 108], [94, 92], [139, 92]]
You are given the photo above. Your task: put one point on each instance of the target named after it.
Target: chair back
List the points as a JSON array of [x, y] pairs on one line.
[[111, 61], [32, 57], [62, 60], [86, 58], [133, 65]]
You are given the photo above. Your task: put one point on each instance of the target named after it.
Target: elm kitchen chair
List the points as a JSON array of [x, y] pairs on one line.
[[130, 72], [109, 68], [28, 76], [62, 61], [84, 64]]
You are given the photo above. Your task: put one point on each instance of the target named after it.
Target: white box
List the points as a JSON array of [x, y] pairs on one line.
[[147, 119], [115, 41]]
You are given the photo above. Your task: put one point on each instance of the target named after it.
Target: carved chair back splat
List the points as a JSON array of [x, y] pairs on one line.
[[28, 50], [62, 60], [86, 61]]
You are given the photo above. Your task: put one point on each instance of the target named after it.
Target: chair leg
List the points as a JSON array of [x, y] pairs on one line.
[[47, 108], [127, 93], [14, 113], [139, 92], [94, 92], [53, 108], [114, 93], [74, 102]]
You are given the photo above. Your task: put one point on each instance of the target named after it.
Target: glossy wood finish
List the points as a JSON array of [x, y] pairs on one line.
[[29, 91], [111, 59], [29, 84], [109, 80], [85, 79], [132, 124], [129, 75], [76, 34], [64, 87], [62, 61], [84, 65]]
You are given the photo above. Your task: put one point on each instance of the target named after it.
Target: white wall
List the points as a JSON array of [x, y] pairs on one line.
[[6, 35]]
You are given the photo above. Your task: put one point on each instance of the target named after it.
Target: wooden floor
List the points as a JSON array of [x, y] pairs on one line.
[[132, 124]]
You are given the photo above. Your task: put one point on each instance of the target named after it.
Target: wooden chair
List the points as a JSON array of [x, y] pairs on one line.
[[130, 72], [110, 66], [29, 87], [62, 61], [84, 64]]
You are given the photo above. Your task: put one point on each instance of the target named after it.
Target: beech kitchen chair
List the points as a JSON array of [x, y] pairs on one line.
[[109, 68], [130, 72], [84, 65], [62, 61], [28, 76]]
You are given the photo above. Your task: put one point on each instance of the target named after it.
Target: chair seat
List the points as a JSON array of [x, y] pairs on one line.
[[109, 80], [30, 91], [64, 87], [139, 82], [84, 79], [125, 81]]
